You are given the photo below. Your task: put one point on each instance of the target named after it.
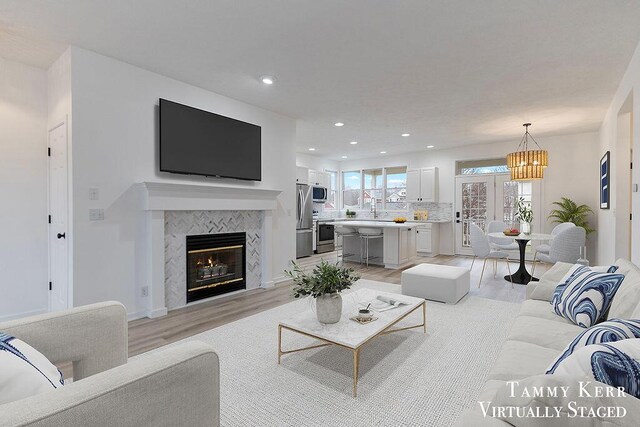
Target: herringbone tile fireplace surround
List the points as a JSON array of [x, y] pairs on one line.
[[179, 224]]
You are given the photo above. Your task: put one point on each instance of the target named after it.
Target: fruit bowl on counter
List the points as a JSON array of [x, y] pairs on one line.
[[511, 232], [399, 220]]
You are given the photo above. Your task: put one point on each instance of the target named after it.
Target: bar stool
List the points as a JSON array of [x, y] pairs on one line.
[[366, 234], [344, 232]]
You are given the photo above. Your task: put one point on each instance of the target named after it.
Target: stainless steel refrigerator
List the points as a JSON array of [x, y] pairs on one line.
[[304, 216]]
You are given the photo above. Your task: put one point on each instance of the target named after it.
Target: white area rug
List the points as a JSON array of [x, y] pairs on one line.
[[406, 378]]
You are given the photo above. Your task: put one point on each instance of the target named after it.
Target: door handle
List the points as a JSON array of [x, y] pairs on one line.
[[458, 221], [62, 235]]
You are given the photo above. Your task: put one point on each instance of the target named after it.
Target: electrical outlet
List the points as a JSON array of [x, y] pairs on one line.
[[145, 291], [96, 214], [94, 194]]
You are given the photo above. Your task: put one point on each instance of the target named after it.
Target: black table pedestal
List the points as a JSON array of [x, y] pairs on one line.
[[521, 276]]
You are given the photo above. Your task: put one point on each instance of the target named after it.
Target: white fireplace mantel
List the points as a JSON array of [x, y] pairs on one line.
[[161, 196], [158, 197]]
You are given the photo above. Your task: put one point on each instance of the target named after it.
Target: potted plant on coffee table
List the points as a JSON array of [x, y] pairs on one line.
[[324, 283]]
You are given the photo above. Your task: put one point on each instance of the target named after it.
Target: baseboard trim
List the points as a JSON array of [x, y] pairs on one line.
[[23, 314], [157, 312]]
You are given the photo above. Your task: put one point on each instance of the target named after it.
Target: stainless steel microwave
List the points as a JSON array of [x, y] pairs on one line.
[[319, 194]]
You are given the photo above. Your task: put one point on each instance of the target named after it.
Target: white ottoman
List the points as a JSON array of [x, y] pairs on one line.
[[443, 283]]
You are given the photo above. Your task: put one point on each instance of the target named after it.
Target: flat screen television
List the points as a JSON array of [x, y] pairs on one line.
[[198, 142]]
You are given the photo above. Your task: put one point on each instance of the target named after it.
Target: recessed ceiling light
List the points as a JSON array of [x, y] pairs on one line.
[[406, 134], [430, 146], [344, 157], [268, 80], [383, 152], [312, 149], [338, 124], [353, 142]]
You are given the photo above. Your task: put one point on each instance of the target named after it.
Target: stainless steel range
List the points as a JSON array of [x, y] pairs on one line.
[[325, 237]]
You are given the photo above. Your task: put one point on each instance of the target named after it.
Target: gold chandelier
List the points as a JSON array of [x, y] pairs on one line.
[[525, 164]]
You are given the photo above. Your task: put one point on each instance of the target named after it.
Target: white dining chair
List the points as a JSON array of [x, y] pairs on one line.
[[545, 247], [482, 249], [565, 247], [500, 243]]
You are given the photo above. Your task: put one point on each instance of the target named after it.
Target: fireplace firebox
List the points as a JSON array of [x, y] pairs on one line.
[[215, 264]]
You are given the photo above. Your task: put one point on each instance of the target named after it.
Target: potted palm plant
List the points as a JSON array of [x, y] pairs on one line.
[[324, 284], [570, 211]]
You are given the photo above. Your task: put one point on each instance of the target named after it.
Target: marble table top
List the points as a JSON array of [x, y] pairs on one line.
[[522, 236], [348, 332]]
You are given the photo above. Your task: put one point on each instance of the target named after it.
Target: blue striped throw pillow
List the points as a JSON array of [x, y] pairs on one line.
[[585, 296], [610, 331]]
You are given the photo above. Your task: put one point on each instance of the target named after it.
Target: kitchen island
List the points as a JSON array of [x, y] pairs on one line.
[[394, 250]]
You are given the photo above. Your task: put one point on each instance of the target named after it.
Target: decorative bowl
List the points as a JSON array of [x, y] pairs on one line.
[[511, 234]]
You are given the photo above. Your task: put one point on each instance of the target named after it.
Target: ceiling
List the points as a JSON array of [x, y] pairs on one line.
[[448, 72]]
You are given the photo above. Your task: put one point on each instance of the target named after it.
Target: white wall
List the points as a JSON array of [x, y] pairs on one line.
[[23, 190], [572, 172], [114, 146], [623, 102], [316, 163]]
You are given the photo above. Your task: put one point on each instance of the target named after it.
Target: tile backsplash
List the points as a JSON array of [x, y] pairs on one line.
[[437, 211]]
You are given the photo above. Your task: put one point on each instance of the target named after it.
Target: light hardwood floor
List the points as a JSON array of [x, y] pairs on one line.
[[146, 334]]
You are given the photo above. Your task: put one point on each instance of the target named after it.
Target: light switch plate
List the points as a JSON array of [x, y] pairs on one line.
[[94, 194], [96, 214]]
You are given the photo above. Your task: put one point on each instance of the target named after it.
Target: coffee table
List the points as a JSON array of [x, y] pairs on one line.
[[348, 333]]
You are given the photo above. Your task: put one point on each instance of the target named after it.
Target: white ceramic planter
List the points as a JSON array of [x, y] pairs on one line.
[[329, 308]]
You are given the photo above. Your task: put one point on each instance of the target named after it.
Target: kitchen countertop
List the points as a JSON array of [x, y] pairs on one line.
[[376, 224], [412, 221]]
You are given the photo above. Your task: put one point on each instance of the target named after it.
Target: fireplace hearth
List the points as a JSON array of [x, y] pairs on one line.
[[215, 264]]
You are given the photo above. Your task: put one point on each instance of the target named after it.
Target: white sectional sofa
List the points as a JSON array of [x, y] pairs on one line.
[[538, 336]]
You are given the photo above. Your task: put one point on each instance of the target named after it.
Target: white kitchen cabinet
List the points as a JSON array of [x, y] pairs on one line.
[[422, 185], [302, 175], [323, 179], [428, 239], [399, 247]]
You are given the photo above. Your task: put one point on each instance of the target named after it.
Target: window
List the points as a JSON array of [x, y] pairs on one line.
[[332, 191], [372, 188], [396, 188], [351, 189], [479, 167]]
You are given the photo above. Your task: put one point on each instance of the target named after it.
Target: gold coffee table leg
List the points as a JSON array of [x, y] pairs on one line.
[[356, 363], [279, 343], [424, 317]]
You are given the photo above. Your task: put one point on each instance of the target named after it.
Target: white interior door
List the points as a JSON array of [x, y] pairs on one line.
[[58, 222], [475, 202]]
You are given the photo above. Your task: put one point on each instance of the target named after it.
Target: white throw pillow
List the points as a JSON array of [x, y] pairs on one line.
[[584, 296], [24, 371], [616, 364]]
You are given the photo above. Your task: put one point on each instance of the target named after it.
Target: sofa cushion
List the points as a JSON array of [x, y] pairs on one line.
[[543, 290], [24, 371], [543, 310], [609, 331], [543, 332], [519, 359], [616, 364], [627, 300], [586, 295]]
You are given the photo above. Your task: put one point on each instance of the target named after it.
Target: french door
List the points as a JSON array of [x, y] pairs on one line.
[[484, 198]]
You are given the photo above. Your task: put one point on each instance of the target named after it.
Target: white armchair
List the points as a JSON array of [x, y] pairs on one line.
[[176, 386]]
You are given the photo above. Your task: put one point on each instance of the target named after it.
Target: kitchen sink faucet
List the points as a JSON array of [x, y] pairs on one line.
[[374, 209]]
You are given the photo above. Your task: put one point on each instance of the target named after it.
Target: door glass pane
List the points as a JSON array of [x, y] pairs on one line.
[[474, 208], [510, 200]]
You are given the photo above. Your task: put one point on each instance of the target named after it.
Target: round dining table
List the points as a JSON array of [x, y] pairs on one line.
[[522, 276]]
